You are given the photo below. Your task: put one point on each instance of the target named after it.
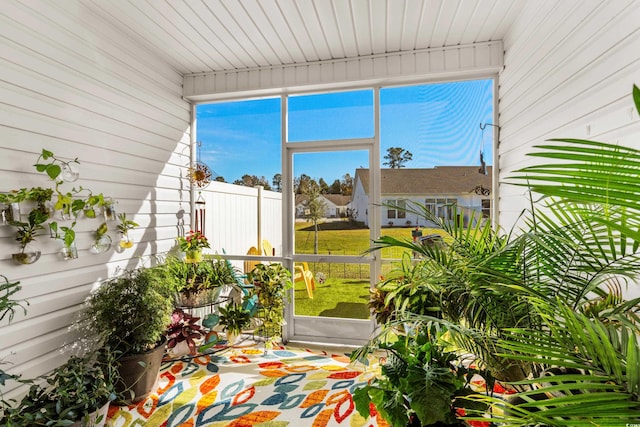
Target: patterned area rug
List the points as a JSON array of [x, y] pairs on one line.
[[243, 386]]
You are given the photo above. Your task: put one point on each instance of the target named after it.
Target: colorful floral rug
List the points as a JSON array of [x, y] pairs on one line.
[[243, 386]]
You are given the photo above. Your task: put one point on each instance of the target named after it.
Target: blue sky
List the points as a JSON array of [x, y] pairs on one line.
[[438, 123]]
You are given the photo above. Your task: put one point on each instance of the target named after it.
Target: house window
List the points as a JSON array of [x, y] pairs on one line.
[[486, 208], [442, 208], [396, 209]]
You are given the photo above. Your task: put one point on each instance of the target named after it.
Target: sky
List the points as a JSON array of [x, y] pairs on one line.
[[438, 123]]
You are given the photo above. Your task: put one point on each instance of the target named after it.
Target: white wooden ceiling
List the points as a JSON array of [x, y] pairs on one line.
[[196, 36]]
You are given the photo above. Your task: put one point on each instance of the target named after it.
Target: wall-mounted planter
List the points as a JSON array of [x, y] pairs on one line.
[[9, 212], [69, 252], [101, 244], [26, 257]]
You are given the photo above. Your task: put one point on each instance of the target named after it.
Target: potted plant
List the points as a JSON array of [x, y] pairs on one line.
[[10, 205], [68, 237], [56, 166], [102, 241], [233, 318], [77, 393], [131, 313], [422, 383], [41, 197], [109, 209], [271, 283], [548, 298], [124, 226], [183, 332], [192, 246], [27, 233]]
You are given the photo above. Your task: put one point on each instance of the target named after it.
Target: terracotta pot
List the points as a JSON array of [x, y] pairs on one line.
[[139, 374]]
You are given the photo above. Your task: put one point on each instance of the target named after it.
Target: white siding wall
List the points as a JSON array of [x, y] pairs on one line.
[[568, 72], [75, 86]]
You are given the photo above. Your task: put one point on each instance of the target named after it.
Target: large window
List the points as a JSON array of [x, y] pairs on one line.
[[443, 208], [396, 209]]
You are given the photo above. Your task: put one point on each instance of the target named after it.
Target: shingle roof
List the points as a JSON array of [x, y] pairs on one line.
[[338, 199], [437, 180]]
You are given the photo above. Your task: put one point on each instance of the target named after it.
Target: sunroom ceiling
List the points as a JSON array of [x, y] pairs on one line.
[[196, 36]]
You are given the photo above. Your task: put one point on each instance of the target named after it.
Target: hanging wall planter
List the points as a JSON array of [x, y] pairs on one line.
[[10, 212], [27, 232], [101, 244], [69, 252], [123, 227], [102, 241], [26, 256]]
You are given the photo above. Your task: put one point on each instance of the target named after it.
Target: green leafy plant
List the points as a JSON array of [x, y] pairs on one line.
[[195, 240], [233, 318], [55, 166], [7, 304], [131, 312], [92, 203], [66, 234], [100, 233], [547, 297], [193, 279], [70, 393], [420, 379], [271, 283], [28, 231], [124, 226]]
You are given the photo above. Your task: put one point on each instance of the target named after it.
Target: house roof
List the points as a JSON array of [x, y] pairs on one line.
[[437, 180], [336, 199]]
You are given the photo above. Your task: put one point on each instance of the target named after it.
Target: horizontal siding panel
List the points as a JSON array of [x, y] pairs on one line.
[[480, 58], [75, 85], [568, 73]]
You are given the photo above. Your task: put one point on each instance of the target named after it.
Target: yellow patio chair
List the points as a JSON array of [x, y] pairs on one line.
[[301, 272], [249, 264], [267, 248]]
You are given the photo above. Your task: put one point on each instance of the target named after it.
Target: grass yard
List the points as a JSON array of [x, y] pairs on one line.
[[345, 292], [343, 238], [334, 298]]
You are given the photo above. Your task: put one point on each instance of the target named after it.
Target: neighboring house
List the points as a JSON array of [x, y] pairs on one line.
[[336, 205], [446, 191]]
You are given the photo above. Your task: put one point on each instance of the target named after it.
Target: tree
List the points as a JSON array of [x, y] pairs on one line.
[[324, 187], [219, 179], [252, 180], [347, 185], [277, 182], [304, 183], [336, 187], [396, 157], [314, 211]]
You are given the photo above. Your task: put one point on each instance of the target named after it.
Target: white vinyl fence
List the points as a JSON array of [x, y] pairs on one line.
[[237, 218]]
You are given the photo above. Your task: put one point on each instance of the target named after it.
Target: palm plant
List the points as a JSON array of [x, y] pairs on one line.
[[548, 296]]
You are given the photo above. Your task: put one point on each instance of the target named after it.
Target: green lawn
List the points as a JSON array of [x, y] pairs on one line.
[[345, 292], [334, 298]]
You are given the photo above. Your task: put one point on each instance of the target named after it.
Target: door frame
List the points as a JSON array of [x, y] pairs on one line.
[[306, 328]]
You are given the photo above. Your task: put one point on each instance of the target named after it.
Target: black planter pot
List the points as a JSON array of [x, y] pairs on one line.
[[139, 375]]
